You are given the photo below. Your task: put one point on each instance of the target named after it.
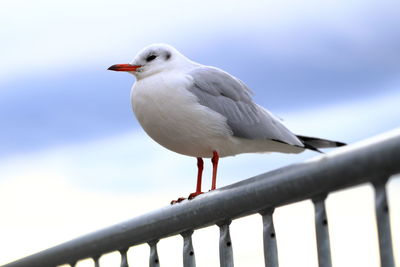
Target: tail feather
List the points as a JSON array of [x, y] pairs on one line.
[[314, 143]]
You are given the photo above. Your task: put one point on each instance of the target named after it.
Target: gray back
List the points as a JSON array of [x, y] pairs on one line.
[[231, 98]]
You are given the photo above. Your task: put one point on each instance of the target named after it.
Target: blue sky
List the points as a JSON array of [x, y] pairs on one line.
[[328, 69]]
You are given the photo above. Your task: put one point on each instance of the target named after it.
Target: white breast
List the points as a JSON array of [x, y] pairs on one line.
[[172, 116]]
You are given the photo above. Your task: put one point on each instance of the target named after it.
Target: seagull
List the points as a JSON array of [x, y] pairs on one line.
[[204, 112]]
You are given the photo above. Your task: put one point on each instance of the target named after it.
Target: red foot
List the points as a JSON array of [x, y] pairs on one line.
[[195, 194], [178, 200]]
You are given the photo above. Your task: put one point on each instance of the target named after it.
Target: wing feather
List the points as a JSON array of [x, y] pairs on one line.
[[231, 98]]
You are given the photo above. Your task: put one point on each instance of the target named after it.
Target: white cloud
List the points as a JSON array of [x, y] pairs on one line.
[[47, 36]]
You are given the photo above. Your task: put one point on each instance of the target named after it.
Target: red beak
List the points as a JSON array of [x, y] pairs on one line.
[[124, 67]]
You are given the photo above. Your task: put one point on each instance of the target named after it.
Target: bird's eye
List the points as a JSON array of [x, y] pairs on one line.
[[150, 58]]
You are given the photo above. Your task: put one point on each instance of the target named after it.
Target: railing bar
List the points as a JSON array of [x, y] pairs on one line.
[[124, 257], [322, 232], [189, 259], [154, 261], [225, 245], [96, 261], [383, 224], [269, 238], [329, 172]]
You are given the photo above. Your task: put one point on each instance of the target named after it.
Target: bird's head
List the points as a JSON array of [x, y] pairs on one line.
[[151, 60]]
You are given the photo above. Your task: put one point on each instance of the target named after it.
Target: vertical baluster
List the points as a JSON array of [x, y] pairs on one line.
[[269, 237], [322, 232], [383, 223], [189, 259], [124, 258], [96, 261], [225, 245], [154, 260]]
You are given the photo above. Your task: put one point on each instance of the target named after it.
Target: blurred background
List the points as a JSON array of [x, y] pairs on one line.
[[73, 158]]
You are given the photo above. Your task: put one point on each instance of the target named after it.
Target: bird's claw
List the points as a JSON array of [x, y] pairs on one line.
[[195, 194], [178, 200], [191, 196]]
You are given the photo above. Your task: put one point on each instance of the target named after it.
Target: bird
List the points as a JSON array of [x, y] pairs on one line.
[[204, 112]]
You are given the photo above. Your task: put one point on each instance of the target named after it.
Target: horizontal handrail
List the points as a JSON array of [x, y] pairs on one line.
[[371, 160]]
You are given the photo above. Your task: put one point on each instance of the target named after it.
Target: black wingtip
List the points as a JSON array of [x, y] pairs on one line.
[[315, 142], [310, 147], [340, 144], [306, 146]]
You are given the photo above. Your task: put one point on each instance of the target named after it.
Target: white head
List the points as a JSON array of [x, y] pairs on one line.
[[153, 59]]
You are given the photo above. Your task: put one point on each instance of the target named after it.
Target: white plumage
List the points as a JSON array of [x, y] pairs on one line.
[[174, 118], [202, 111]]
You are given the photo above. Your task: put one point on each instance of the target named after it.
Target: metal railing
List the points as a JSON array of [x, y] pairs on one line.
[[371, 161]]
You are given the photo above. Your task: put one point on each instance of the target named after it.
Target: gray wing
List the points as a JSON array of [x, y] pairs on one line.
[[231, 98]]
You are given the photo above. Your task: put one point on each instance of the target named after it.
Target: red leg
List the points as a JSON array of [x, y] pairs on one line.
[[214, 161], [200, 165]]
